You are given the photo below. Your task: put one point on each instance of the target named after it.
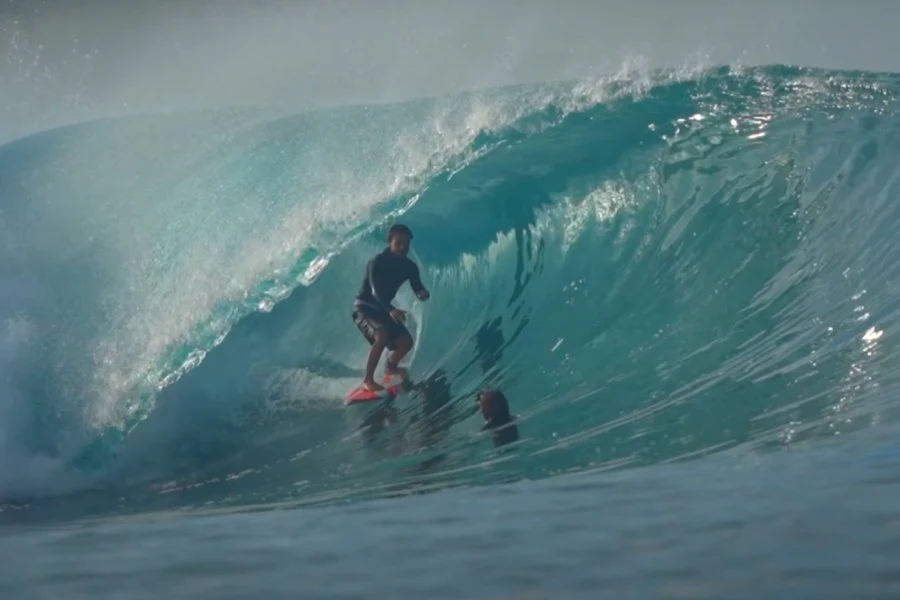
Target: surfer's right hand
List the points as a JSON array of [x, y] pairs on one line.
[[398, 315]]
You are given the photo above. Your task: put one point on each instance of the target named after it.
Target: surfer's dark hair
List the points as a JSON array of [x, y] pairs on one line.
[[399, 229]]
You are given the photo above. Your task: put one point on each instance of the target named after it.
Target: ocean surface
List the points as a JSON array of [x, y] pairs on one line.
[[686, 283]]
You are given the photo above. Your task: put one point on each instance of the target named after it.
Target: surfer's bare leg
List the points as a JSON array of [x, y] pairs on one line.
[[402, 347], [378, 346]]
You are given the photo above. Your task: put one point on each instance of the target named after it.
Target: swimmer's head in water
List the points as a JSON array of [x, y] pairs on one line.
[[495, 410], [494, 406]]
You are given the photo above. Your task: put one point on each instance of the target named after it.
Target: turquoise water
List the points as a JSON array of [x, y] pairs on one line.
[[683, 282], [817, 523]]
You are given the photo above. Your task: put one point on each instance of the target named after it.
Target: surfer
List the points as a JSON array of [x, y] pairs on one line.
[[495, 410], [377, 319]]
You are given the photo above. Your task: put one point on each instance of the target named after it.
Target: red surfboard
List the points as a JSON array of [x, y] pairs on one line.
[[361, 395]]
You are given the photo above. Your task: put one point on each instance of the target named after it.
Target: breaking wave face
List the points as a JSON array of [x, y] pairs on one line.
[[652, 268]]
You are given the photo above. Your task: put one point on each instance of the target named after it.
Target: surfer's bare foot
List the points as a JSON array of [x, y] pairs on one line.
[[372, 386]]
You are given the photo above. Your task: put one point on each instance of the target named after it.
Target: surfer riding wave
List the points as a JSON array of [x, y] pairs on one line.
[[376, 318]]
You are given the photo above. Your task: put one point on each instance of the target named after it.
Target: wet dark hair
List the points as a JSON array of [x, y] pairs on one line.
[[399, 229], [498, 407], [498, 421]]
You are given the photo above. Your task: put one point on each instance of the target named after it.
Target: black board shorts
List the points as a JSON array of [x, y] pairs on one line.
[[370, 320]]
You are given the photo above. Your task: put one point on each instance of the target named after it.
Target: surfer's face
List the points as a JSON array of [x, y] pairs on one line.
[[400, 244]]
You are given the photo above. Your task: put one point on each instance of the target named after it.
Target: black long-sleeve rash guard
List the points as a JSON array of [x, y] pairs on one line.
[[384, 275]]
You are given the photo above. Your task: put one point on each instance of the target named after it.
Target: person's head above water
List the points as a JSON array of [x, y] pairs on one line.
[[494, 406], [399, 238], [495, 410]]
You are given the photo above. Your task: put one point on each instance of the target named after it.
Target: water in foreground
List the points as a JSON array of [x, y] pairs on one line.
[[818, 523]]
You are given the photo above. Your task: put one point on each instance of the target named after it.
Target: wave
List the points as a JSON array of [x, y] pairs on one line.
[[653, 268]]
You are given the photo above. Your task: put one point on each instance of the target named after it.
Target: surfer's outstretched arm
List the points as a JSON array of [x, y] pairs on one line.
[[415, 281]]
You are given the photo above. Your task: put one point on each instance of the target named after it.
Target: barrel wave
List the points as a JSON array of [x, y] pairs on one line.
[[653, 268]]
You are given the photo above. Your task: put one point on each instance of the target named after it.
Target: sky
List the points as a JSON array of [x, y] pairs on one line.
[[70, 60]]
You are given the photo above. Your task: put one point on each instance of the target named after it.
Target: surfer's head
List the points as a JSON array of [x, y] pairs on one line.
[[399, 238]]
